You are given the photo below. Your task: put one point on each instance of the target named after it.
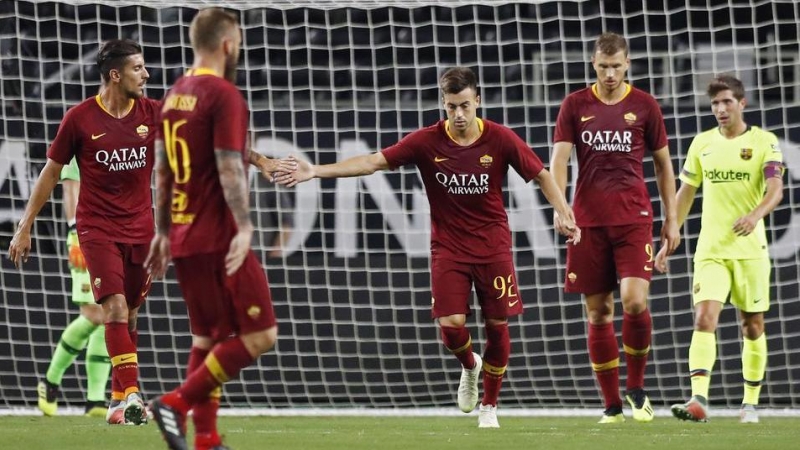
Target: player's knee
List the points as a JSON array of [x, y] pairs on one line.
[[261, 341], [453, 321], [115, 309], [752, 329], [93, 313], [634, 305], [202, 342], [706, 315], [600, 313]]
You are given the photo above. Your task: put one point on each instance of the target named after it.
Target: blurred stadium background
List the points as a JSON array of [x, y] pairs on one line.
[[331, 79]]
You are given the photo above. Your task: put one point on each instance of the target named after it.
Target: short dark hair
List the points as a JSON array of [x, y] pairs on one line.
[[610, 44], [209, 26], [726, 82], [113, 53], [457, 79]]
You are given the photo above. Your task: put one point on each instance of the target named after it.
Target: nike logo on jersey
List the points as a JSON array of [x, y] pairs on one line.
[[705, 154], [439, 159], [586, 118], [126, 358], [648, 269], [757, 300], [97, 136], [511, 304]]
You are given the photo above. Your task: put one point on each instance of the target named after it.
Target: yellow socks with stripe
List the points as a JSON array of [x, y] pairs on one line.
[[754, 363], [702, 356]]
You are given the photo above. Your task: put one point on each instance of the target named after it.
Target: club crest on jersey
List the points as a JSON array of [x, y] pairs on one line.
[[97, 283], [486, 161], [142, 131], [746, 154], [254, 311], [630, 118]]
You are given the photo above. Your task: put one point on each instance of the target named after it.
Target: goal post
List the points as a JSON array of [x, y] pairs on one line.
[[326, 80]]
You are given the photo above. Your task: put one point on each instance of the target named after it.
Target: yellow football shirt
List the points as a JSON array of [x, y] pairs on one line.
[[732, 176]]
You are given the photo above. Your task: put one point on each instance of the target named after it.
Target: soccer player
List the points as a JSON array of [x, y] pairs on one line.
[[111, 135], [613, 125], [203, 222], [740, 168], [463, 161], [86, 331]]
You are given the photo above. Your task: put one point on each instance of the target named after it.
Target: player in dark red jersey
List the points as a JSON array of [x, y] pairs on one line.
[[463, 161], [203, 222], [613, 126], [111, 136]]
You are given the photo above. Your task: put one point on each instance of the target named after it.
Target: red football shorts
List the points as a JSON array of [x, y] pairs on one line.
[[606, 255], [220, 305], [495, 284], [117, 269]]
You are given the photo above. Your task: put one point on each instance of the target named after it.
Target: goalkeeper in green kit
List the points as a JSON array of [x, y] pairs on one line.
[[86, 331]]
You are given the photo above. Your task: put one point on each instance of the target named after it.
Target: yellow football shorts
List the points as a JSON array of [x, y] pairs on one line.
[[746, 280]]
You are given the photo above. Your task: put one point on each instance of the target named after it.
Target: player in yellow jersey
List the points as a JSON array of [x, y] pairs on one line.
[[741, 170]]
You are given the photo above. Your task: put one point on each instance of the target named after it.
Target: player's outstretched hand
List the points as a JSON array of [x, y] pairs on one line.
[[159, 256], [269, 166], [565, 225], [238, 250], [670, 236], [303, 172], [20, 247], [661, 260]]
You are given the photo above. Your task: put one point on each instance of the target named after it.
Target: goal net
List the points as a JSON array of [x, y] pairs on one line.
[[327, 80]]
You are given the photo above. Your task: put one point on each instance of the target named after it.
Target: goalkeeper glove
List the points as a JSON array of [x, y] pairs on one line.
[[76, 259]]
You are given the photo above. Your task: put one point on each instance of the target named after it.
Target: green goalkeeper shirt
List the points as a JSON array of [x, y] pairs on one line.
[[70, 171], [731, 172]]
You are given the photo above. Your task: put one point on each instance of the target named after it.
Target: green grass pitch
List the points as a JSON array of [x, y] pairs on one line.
[[413, 433]]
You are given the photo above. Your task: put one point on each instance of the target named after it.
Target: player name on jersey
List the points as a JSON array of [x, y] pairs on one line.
[[180, 102]]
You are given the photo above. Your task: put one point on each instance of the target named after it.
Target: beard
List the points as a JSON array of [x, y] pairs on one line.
[[230, 68], [135, 93]]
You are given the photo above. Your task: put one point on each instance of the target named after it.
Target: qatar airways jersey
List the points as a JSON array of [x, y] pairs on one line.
[[611, 141], [115, 157], [202, 112], [464, 185]]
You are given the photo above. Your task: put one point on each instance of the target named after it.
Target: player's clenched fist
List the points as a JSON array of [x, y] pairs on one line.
[[76, 259]]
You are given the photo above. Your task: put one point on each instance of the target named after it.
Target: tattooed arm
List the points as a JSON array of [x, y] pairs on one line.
[[158, 258], [163, 195], [233, 178]]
